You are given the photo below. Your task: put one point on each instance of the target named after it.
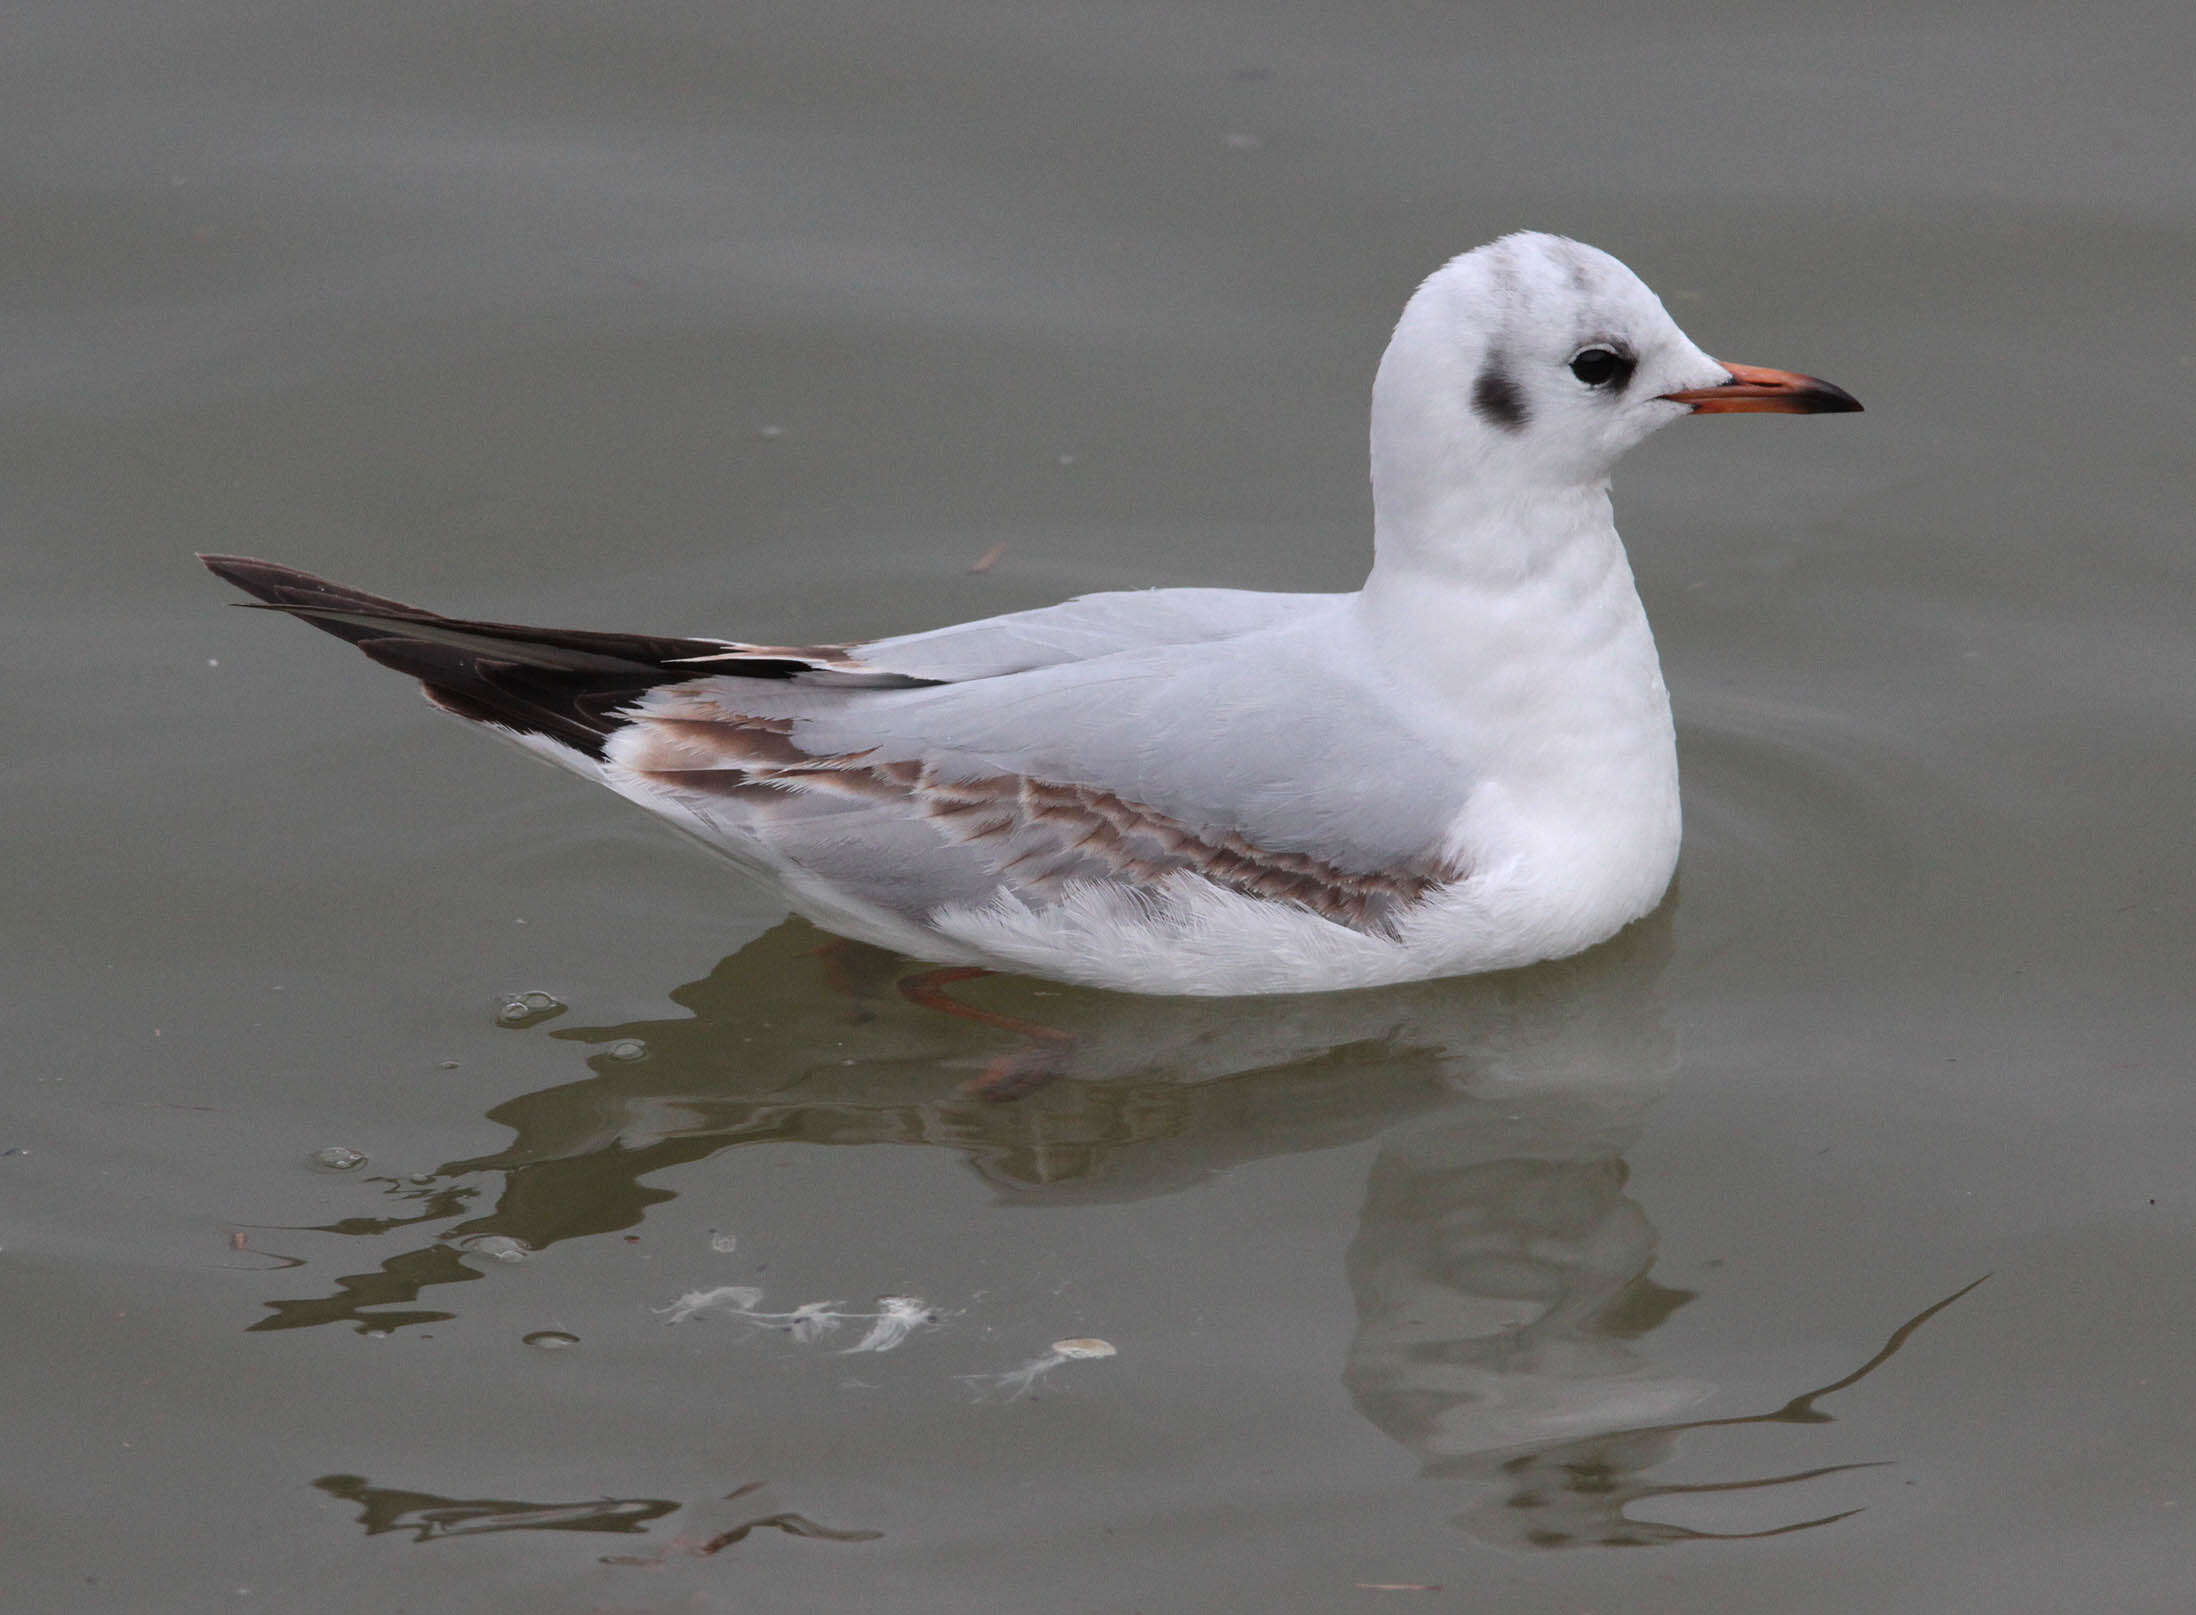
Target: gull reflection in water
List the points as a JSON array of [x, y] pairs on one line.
[[1500, 1269], [1501, 1299]]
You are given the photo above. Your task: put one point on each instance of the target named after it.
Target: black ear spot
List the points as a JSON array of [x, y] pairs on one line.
[[1498, 398]]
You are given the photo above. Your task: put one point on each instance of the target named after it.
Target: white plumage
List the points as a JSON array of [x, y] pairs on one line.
[[1467, 765]]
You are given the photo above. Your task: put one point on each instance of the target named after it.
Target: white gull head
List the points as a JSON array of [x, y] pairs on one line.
[[1517, 376]]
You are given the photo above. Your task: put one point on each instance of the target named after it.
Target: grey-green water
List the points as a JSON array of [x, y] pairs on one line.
[[773, 319]]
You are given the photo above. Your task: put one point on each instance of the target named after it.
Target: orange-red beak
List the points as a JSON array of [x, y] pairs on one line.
[[1767, 392]]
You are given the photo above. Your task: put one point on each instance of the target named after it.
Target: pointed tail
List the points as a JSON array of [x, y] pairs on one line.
[[567, 684]]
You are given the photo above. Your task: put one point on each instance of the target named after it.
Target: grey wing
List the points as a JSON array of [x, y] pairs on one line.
[[1121, 739], [1202, 759], [1086, 628]]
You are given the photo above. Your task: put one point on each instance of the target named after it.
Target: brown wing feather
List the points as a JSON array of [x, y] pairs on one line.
[[1038, 836]]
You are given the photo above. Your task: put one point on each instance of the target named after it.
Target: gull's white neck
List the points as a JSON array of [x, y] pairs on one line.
[[1511, 618], [1521, 618]]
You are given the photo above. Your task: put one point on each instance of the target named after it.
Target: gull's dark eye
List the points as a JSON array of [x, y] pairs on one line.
[[1598, 367]]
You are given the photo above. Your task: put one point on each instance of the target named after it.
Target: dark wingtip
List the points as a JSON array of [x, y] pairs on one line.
[[286, 587], [566, 684], [239, 569], [236, 569], [264, 579]]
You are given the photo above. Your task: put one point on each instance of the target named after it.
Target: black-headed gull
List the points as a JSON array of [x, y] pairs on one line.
[[1466, 765]]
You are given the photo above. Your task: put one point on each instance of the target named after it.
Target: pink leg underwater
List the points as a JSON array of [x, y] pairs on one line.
[[1043, 1056]]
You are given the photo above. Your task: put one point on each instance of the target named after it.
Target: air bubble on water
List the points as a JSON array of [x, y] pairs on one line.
[[627, 1050], [496, 1247], [723, 1244], [446, 1065], [422, 1179], [336, 1158], [528, 1009], [550, 1340]]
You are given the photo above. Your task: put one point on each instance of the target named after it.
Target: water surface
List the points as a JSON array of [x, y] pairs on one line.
[[773, 320]]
